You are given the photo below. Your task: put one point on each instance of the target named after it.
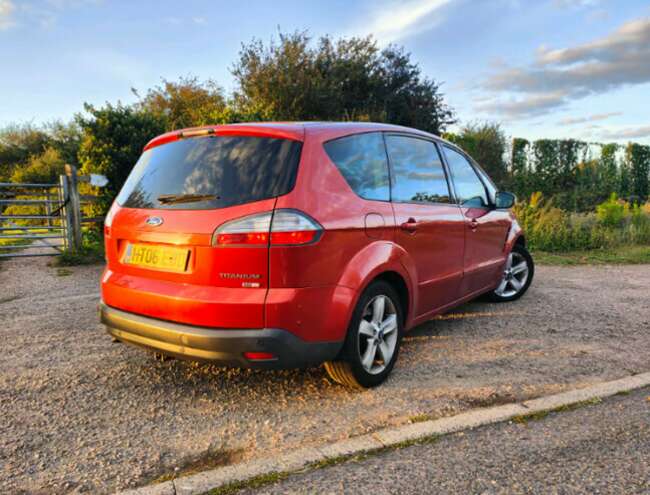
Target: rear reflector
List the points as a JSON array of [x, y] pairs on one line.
[[259, 356], [279, 228]]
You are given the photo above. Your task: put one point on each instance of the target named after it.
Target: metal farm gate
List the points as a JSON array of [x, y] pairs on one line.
[[42, 219]]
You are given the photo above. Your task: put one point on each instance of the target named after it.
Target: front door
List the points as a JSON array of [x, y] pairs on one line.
[[429, 225], [485, 228]]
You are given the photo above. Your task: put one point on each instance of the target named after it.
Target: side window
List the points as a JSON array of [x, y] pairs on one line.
[[469, 188], [361, 159], [418, 171]]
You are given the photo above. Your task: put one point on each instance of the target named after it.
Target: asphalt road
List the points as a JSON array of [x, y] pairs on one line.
[[602, 448]]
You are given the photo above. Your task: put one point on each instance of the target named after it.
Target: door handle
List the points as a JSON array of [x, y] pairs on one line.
[[473, 224], [410, 225]]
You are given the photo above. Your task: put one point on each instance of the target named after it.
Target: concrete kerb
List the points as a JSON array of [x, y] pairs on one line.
[[299, 459]]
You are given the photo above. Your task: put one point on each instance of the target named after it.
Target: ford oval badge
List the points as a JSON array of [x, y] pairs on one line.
[[154, 221]]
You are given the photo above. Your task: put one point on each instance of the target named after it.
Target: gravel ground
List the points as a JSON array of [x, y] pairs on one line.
[[83, 414], [603, 448]]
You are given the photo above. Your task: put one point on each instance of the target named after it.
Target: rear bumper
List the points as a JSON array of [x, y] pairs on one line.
[[221, 346]]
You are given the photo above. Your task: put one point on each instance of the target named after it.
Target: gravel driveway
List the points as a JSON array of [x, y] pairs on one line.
[[80, 413]]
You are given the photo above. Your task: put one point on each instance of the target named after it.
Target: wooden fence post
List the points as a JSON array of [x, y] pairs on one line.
[[73, 207], [66, 213]]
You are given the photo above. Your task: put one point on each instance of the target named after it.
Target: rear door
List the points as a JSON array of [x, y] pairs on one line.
[[430, 225], [486, 228]]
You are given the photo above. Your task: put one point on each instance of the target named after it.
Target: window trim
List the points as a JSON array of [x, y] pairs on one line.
[[388, 168], [483, 175], [473, 165], [452, 193]]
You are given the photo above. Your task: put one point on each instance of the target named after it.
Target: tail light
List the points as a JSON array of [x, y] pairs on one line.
[[275, 228]]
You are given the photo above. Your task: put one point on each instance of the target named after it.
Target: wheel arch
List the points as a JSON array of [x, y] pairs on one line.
[[521, 241], [382, 261]]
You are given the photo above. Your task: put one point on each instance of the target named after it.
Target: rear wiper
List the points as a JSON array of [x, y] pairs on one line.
[[186, 198]]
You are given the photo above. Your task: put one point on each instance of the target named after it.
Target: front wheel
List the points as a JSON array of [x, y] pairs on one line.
[[373, 339], [517, 275]]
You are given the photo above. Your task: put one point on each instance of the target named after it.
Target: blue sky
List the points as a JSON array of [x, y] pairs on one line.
[[545, 68]]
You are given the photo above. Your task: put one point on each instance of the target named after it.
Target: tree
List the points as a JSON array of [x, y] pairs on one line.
[[638, 157], [65, 138], [186, 103], [608, 170], [44, 168], [17, 144], [486, 143], [348, 79], [113, 139], [519, 180]]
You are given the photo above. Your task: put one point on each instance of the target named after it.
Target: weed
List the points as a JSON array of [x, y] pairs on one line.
[[210, 459], [253, 483], [536, 416]]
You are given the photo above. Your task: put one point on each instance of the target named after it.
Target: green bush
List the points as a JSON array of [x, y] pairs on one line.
[[553, 229], [612, 212]]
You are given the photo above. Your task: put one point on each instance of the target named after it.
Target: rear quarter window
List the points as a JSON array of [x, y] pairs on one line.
[[362, 161]]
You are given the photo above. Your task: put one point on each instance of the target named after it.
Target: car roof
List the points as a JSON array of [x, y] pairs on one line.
[[323, 131]]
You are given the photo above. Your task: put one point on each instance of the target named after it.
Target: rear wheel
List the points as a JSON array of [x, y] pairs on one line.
[[373, 339], [517, 275]]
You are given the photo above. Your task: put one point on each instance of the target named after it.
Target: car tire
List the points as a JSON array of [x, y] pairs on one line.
[[375, 332], [517, 276]]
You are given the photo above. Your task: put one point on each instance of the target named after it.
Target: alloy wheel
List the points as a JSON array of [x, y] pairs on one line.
[[378, 334], [515, 276]]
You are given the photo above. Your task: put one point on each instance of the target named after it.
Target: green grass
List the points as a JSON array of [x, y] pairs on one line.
[[252, 483], [87, 255], [420, 418], [277, 476], [91, 252], [536, 416], [624, 255]]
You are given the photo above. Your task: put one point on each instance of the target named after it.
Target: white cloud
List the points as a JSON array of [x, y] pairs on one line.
[[559, 76], [530, 106], [400, 19], [64, 4], [575, 3], [627, 133], [591, 118], [46, 12], [181, 21], [7, 9]]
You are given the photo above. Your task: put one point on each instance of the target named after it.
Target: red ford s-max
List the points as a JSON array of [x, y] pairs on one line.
[[283, 245]]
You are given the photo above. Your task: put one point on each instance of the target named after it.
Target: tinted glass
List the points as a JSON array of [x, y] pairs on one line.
[[361, 159], [418, 171], [211, 172], [468, 186]]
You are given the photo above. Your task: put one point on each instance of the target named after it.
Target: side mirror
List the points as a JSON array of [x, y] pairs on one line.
[[505, 200]]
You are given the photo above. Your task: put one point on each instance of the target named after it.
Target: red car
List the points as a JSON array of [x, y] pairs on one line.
[[293, 244]]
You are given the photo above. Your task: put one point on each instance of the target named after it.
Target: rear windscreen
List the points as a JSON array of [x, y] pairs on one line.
[[211, 172]]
